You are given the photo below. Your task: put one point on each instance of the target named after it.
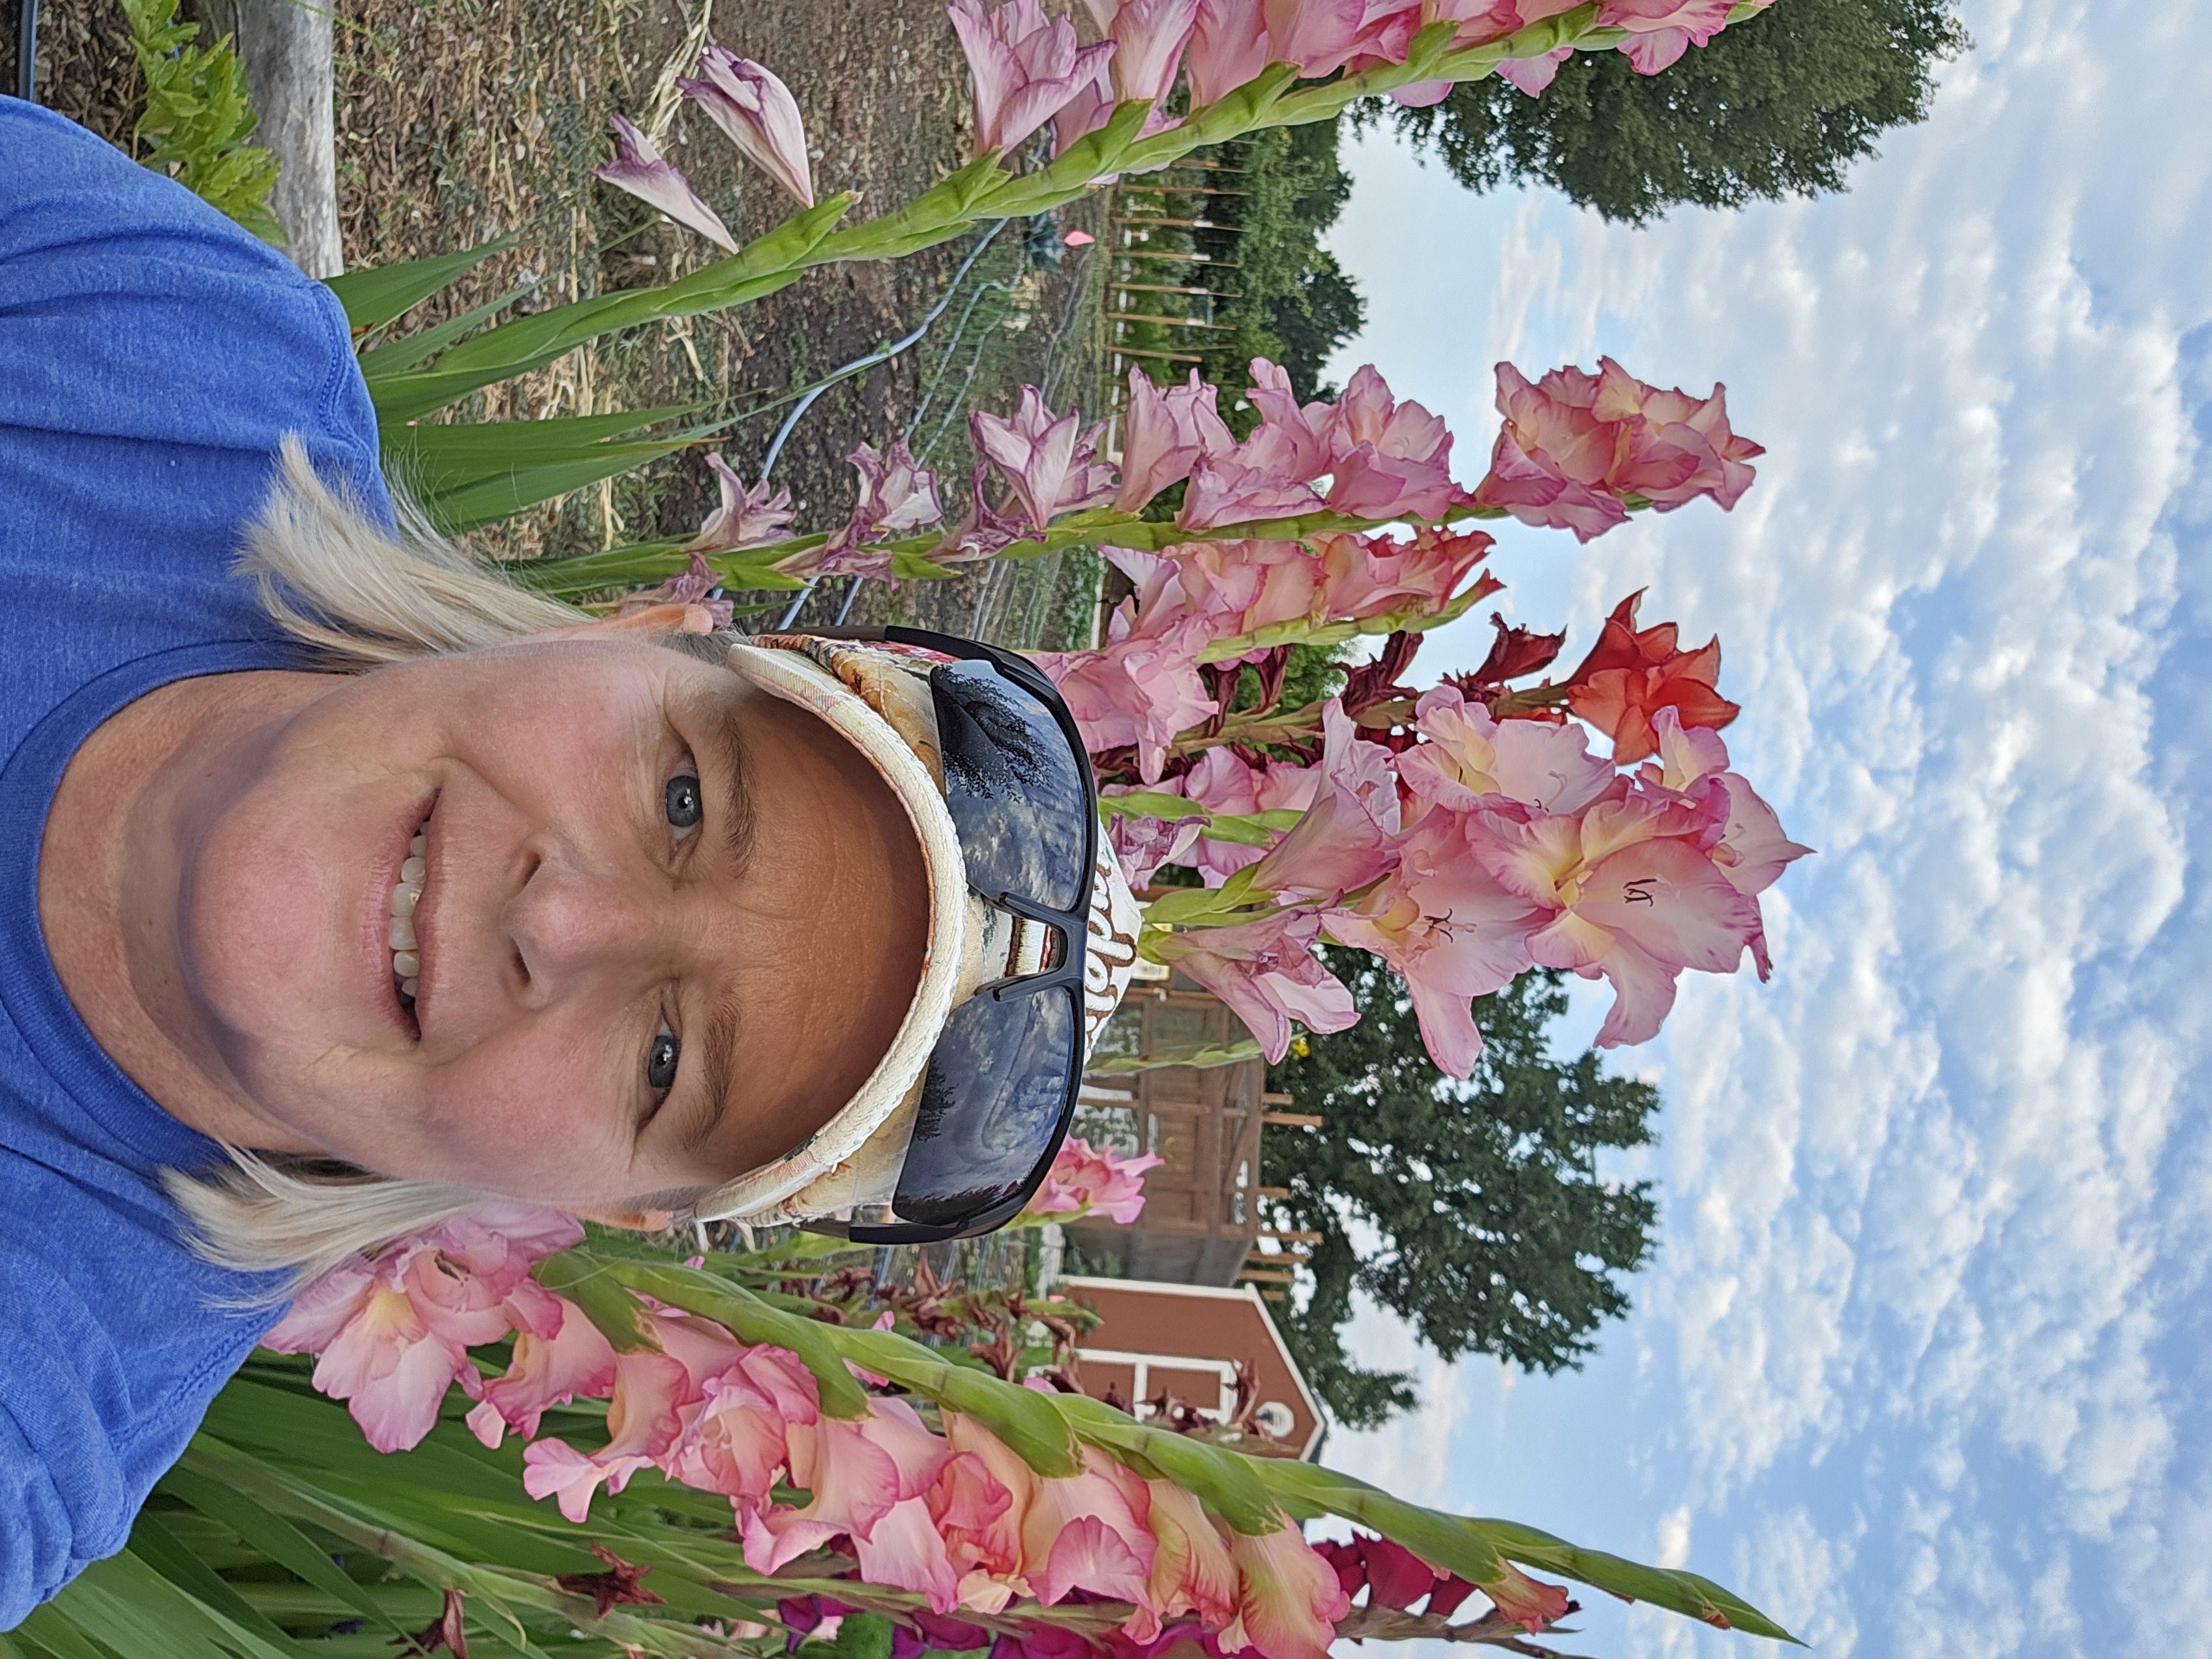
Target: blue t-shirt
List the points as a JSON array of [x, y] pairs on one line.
[[152, 356]]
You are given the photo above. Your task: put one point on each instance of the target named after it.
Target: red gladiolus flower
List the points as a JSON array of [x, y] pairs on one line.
[[1629, 676]]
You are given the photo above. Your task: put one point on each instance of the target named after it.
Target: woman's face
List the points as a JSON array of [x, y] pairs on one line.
[[667, 922]]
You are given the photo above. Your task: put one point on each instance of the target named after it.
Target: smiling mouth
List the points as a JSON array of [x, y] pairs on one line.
[[406, 895]]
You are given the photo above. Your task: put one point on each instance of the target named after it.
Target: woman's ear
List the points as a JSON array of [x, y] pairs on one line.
[[666, 618], [633, 1221]]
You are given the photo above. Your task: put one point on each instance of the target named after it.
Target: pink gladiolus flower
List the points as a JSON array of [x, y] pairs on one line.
[[1323, 36], [637, 167], [1164, 434], [1389, 460], [1343, 841], [1368, 576], [984, 1534], [393, 1332], [897, 496], [1082, 1534], [1575, 444], [688, 588], [1469, 756], [1267, 972], [1050, 461], [643, 1424], [1632, 673], [1085, 1179], [1149, 37], [1144, 844], [1136, 690], [1288, 1599], [1661, 31], [1531, 1603], [545, 1371], [1631, 893], [1228, 47], [746, 517], [377, 1352], [1025, 68], [759, 115], [1449, 928], [1192, 1569]]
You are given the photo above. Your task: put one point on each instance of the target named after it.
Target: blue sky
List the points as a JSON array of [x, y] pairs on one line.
[[1923, 1365]]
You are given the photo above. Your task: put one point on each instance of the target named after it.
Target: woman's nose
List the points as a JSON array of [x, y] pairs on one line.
[[568, 924]]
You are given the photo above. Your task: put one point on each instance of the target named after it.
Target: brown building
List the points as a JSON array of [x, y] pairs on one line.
[[1186, 1340], [1201, 1206]]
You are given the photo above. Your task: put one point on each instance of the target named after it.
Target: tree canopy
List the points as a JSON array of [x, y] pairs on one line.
[[1778, 105], [1497, 1233]]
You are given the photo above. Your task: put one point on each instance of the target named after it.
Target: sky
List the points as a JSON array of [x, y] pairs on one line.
[[1921, 1364]]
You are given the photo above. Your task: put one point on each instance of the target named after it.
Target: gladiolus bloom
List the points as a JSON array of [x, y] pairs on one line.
[[637, 167], [643, 1424], [1228, 47], [1025, 68], [1575, 444], [746, 517], [1469, 756], [1085, 1180], [1138, 690], [1631, 894], [1661, 31], [1267, 972], [759, 115], [1288, 1599], [897, 496], [1632, 674], [1164, 434], [1049, 461]]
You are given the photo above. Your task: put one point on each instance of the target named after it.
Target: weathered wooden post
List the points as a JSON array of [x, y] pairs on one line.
[[286, 49]]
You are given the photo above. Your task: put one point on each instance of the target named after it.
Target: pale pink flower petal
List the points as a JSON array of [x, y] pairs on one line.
[[1025, 67], [1288, 1598], [637, 167], [747, 516], [1228, 47], [1267, 972], [759, 115], [1050, 461], [1165, 433]]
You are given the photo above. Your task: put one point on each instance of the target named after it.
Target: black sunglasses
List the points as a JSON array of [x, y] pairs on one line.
[[1000, 1087]]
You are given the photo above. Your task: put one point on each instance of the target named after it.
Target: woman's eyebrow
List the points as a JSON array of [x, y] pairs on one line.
[[722, 1068], [729, 752]]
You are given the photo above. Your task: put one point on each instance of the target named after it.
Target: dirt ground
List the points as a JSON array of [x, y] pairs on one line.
[[462, 120]]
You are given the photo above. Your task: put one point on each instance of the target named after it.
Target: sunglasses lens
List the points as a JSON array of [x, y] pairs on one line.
[[994, 1101], [1015, 788]]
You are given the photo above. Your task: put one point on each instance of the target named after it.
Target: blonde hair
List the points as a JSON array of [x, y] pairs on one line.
[[360, 594]]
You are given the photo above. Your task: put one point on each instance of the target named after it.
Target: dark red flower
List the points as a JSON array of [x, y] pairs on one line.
[[610, 1589], [445, 1631]]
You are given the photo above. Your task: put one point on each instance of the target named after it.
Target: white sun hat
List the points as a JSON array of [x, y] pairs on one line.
[[877, 696]]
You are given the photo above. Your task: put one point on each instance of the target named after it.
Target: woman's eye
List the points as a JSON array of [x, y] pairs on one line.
[[660, 1061], [679, 799]]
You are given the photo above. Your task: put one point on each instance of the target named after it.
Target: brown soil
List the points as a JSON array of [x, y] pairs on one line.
[[462, 120]]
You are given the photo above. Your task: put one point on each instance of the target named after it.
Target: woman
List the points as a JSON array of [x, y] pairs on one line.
[[344, 888]]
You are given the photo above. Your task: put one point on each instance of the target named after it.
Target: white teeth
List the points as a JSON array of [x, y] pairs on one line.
[[406, 894]]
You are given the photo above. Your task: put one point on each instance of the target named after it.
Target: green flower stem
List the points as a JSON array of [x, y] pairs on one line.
[[982, 189], [1245, 1492]]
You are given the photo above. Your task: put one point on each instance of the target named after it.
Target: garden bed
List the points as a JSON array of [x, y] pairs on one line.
[[461, 120]]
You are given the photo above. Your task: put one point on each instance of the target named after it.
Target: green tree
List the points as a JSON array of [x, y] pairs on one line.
[[1474, 1211], [1779, 105]]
